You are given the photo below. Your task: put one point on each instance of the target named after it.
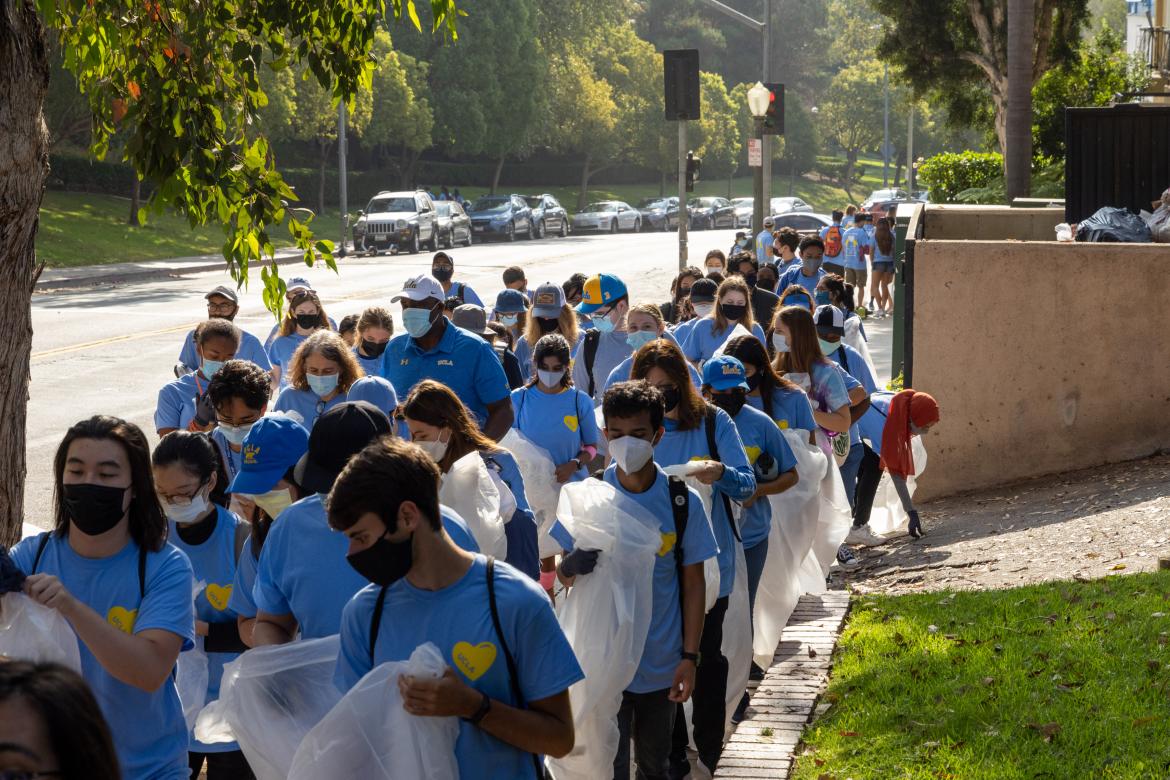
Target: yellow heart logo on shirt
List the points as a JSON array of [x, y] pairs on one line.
[[218, 596], [752, 453], [668, 540], [473, 660], [571, 422], [122, 618], [782, 424]]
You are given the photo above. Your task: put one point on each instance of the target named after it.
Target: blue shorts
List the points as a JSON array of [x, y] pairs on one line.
[[883, 268]]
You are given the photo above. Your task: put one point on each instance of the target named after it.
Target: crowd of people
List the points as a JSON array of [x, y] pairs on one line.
[[333, 479]]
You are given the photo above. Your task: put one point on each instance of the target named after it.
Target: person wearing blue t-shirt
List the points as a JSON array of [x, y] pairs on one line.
[[665, 677], [764, 241], [644, 324], [239, 396], [190, 481], [305, 316], [808, 272], [107, 568], [298, 285], [701, 302], [442, 269], [184, 404], [223, 303], [883, 268], [433, 348], [509, 664], [732, 308], [855, 249], [799, 359], [782, 401], [606, 299], [372, 333], [511, 311], [705, 437], [833, 238]]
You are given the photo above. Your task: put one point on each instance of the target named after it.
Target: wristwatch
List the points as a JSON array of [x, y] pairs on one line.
[[577, 461], [694, 657], [485, 707]]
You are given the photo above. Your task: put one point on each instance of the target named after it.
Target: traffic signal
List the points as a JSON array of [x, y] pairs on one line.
[[681, 80], [693, 165], [774, 117]]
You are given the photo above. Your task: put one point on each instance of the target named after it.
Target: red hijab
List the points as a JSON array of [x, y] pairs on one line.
[[907, 407]]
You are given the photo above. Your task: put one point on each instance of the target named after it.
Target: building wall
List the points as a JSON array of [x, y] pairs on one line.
[[1044, 357], [990, 223]]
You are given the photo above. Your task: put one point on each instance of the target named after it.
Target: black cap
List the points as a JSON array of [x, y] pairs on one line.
[[703, 291], [829, 320], [338, 435]]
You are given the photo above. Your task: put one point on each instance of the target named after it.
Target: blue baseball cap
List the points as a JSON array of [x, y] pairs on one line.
[[600, 291], [725, 373], [511, 302], [271, 448]]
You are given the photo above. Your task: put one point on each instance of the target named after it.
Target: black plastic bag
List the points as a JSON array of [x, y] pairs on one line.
[[1114, 225]]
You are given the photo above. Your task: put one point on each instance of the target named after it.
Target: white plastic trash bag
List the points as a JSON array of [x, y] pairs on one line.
[[794, 525], [853, 338], [269, 699], [469, 490], [737, 637], [602, 442], [834, 519], [369, 735], [540, 486], [191, 678], [36, 633], [507, 497], [706, 493], [887, 515], [736, 332], [605, 616]]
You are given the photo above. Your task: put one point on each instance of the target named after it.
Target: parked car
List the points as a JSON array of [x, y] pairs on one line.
[[548, 216], [885, 208], [788, 204], [744, 209], [882, 195], [402, 220], [711, 213], [454, 224], [501, 216], [608, 215], [802, 221], [659, 213]]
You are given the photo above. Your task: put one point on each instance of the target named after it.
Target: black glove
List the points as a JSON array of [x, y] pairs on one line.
[[204, 411], [578, 562], [915, 524]]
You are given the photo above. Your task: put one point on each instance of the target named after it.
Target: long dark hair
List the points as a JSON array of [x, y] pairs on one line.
[[198, 454], [676, 295], [883, 235], [73, 721], [436, 404], [837, 288], [749, 351], [148, 524], [552, 345], [666, 356]]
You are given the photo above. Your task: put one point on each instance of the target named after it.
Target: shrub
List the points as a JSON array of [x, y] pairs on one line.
[[949, 174]]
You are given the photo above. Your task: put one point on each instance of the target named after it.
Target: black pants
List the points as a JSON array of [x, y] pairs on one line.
[[709, 701], [869, 474], [650, 718], [221, 766]]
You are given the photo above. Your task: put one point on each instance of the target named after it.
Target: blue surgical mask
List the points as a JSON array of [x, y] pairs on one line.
[[829, 347], [322, 385], [604, 324], [822, 298], [417, 322], [211, 367], [640, 338], [508, 320]]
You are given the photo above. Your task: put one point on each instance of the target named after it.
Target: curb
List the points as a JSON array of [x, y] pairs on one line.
[[148, 273]]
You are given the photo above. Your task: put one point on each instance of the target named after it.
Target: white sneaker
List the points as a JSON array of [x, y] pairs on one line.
[[863, 536]]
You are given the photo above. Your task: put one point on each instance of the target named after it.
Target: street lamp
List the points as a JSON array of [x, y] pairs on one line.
[[758, 100]]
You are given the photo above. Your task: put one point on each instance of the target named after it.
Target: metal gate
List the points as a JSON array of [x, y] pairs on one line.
[[1117, 156]]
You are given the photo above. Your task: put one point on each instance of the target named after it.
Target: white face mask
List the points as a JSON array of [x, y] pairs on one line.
[[702, 309], [779, 342], [187, 513], [550, 378], [235, 434], [631, 453], [436, 449]]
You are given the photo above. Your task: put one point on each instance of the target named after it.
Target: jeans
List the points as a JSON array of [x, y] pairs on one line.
[[709, 701], [650, 717], [849, 471], [868, 477], [756, 556], [221, 766]]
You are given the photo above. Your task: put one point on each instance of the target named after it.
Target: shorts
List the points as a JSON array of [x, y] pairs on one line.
[[883, 268], [856, 277], [833, 268]]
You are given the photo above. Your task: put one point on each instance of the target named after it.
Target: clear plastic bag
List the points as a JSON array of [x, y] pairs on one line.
[[32, 632], [853, 338], [736, 332], [269, 699], [191, 678], [369, 735], [469, 490], [834, 519], [737, 637], [711, 575], [887, 515], [605, 616], [540, 486]]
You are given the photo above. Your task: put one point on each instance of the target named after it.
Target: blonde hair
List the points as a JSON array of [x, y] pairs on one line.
[[651, 310], [566, 326], [732, 284], [289, 325], [332, 347], [375, 317]]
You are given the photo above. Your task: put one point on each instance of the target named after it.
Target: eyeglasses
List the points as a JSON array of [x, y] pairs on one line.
[[181, 499], [214, 308]]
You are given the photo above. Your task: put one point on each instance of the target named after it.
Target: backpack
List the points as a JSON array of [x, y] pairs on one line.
[[833, 241], [592, 339]]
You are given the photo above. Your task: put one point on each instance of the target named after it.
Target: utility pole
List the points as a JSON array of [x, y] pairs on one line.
[[910, 171], [682, 194], [886, 141], [341, 184]]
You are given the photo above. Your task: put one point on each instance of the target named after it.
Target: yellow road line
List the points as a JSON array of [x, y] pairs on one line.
[[110, 340]]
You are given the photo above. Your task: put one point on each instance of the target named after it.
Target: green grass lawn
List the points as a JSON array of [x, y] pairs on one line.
[[1064, 680]]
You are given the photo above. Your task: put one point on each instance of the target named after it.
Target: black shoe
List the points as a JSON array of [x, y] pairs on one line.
[[740, 711], [757, 673]]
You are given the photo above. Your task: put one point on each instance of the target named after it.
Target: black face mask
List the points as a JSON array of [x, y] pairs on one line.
[[683, 292], [671, 396], [729, 402], [373, 349], [753, 381], [308, 321], [734, 311], [546, 324], [443, 274], [750, 280], [93, 509], [384, 562]]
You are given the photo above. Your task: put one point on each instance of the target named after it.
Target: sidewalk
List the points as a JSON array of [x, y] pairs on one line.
[[113, 273]]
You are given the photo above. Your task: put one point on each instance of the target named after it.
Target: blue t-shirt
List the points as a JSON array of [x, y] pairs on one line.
[[683, 329], [858, 370], [763, 442], [308, 406], [854, 243], [148, 728], [612, 348], [795, 275], [873, 423], [371, 365], [790, 409], [737, 483], [462, 291], [878, 256], [561, 423], [523, 352], [622, 374], [250, 349], [461, 360], [281, 353], [703, 340], [176, 402], [664, 644], [275, 333], [521, 529], [457, 619], [764, 241], [214, 564]]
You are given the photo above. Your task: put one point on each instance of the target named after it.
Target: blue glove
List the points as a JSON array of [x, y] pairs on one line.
[[915, 524], [578, 562]]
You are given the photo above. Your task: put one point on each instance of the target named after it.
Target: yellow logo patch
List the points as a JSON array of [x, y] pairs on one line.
[[753, 453], [122, 618], [251, 453], [473, 660], [782, 424], [571, 422], [218, 596], [668, 540]]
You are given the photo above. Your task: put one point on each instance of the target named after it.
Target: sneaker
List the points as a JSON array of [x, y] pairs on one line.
[[860, 534], [740, 710], [846, 556], [756, 673]]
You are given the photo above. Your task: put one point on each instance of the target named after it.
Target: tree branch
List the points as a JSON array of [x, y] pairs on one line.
[[1044, 10], [991, 62]]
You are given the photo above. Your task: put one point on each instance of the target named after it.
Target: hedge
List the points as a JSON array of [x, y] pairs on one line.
[[950, 173]]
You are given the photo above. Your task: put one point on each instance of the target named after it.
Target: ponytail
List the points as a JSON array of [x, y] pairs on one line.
[[199, 455]]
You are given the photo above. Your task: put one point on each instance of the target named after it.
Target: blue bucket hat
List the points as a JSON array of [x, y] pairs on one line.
[[725, 373], [271, 448]]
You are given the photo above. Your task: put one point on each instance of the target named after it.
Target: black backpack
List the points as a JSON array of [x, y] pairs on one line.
[[713, 451], [592, 339]]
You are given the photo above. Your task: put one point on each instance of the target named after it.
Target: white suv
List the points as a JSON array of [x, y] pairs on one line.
[[402, 220]]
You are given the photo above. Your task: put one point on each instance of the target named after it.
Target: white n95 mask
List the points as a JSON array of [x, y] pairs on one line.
[[631, 453]]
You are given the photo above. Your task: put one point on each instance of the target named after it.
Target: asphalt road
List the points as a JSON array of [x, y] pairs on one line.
[[108, 349]]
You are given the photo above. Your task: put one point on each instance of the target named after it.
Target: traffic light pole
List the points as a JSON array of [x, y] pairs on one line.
[[341, 188], [758, 191], [682, 194]]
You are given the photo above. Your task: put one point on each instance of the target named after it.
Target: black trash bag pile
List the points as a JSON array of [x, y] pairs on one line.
[[1114, 225]]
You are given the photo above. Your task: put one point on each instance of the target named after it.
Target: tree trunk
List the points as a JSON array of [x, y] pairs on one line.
[[1018, 136], [321, 176], [496, 175], [24, 163], [135, 199], [585, 174]]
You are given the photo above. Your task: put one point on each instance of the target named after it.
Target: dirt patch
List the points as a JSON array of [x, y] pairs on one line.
[[1086, 524]]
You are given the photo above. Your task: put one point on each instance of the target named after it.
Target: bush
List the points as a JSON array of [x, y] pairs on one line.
[[949, 174]]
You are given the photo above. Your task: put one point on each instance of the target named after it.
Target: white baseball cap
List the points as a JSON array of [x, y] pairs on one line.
[[298, 283], [419, 288]]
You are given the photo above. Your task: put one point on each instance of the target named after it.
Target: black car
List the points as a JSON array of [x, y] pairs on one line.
[[503, 216], [453, 224], [548, 216], [711, 213], [659, 213]]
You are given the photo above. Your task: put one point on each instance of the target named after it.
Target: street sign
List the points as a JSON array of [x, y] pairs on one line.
[[755, 153]]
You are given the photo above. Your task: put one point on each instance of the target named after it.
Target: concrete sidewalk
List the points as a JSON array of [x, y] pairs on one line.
[[113, 273]]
